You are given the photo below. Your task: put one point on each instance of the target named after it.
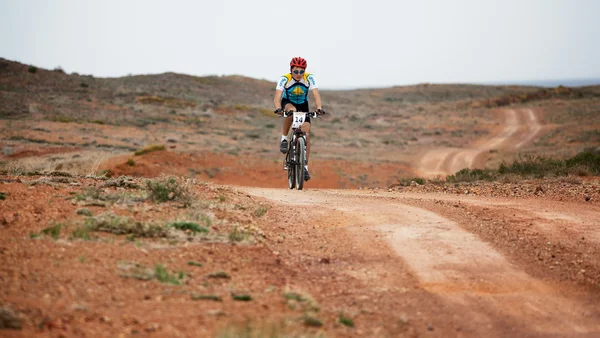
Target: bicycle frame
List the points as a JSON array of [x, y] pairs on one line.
[[296, 155]]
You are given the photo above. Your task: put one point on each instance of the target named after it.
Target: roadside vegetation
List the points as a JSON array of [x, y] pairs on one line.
[[586, 163]]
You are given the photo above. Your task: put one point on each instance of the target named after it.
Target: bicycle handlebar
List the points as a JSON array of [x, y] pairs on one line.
[[312, 114]]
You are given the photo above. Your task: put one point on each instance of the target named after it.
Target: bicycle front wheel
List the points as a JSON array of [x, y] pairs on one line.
[[301, 156], [291, 176]]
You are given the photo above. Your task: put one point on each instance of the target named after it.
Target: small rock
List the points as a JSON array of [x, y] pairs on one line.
[[79, 307], [429, 327], [153, 327], [588, 198], [325, 261], [9, 320]]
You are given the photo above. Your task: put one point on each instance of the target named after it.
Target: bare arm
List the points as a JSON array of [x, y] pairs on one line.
[[317, 97], [277, 100]]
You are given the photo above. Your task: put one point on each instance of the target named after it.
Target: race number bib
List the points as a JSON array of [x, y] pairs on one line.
[[298, 119]]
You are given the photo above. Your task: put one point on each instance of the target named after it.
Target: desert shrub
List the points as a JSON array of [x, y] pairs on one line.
[[53, 231], [238, 235], [260, 211], [470, 175], [163, 275], [130, 162], [32, 69], [215, 298], [122, 225], [149, 149], [262, 328], [587, 159], [536, 166], [171, 188], [583, 164], [82, 232], [188, 226], [347, 321], [241, 297], [88, 193]]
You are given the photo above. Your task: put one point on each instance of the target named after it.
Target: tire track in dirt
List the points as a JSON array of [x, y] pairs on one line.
[[454, 264], [518, 130]]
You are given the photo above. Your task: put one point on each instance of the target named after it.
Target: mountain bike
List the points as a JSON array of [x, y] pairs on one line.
[[295, 158]]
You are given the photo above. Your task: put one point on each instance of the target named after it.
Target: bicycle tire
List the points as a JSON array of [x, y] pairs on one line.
[[291, 174], [300, 155]]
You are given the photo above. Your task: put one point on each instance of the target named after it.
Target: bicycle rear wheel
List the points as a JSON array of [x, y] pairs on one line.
[[300, 155]]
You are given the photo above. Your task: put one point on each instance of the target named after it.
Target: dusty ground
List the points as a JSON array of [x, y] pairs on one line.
[[395, 263], [355, 254]]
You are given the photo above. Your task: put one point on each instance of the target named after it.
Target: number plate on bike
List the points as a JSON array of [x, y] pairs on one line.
[[298, 119]]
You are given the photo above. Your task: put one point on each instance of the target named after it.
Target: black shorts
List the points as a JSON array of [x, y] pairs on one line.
[[299, 107]]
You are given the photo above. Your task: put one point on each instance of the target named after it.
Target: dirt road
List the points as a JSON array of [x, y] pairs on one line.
[[520, 127], [462, 253]]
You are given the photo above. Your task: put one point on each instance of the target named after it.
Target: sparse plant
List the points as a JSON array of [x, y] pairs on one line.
[[346, 321], [163, 275], [194, 263], [189, 226], [238, 235], [122, 225], [219, 275], [170, 189], [312, 321], [82, 232], [206, 297], [265, 328], [53, 231], [2, 196], [88, 193], [303, 300], [241, 297], [294, 296], [260, 211], [130, 162], [470, 175], [149, 149], [32, 69]]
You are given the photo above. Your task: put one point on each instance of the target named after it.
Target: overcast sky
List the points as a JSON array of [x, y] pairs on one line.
[[348, 44]]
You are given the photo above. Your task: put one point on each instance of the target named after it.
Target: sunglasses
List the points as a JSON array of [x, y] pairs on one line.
[[299, 71]]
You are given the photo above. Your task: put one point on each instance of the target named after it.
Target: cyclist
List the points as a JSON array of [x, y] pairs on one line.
[[291, 93]]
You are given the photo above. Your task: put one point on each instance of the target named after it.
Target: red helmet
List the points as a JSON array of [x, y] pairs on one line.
[[298, 62]]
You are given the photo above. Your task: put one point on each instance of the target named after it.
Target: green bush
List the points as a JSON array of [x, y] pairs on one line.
[[32, 69], [585, 163], [193, 227], [170, 189], [470, 175], [53, 231], [163, 275], [589, 159]]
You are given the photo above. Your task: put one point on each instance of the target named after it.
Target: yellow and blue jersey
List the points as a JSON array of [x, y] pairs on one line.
[[296, 91]]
